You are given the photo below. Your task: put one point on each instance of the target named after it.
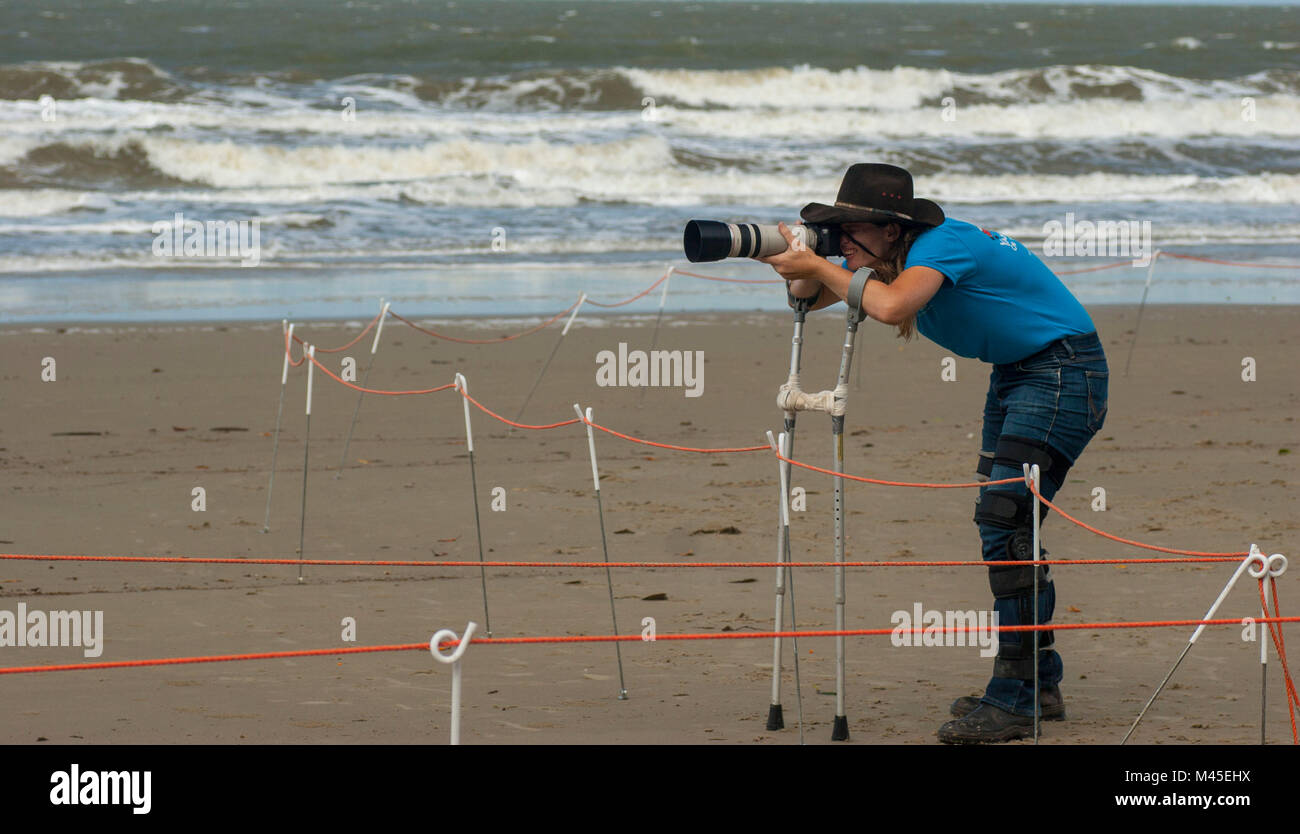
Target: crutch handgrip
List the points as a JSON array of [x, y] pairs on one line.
[[791, 398]]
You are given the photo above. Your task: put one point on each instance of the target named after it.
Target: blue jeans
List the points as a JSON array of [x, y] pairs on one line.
[[1057, 396]]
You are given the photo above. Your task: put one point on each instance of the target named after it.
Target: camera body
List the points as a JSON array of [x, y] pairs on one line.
[[712, 240]]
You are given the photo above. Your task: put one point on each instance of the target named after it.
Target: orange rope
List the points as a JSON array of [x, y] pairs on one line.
[[895, 483], [641, 294], [650, 288], [512, 336], [621, 638], [730, 280], [221, 560], [1094, 268], [221, 658], [1163, 254], [289, 352], [359, 337], [1292, 698], [1091, 529], [791, 461], [510, 422], [1229, 263], [678, 448], [341, 381], [859, 632]]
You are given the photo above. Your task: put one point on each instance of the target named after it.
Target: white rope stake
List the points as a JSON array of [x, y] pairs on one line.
[[306, 453], [1263, 669], [1254, 556], [279, 412], [443, 636], [379, 331], [582, 298], [600, 509], [1151, 269], [1273, 567], [365, 380], [654, 339], [463, 388], [1033, 481]]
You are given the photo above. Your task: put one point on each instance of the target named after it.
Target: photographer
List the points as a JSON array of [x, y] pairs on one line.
[[983, 295]]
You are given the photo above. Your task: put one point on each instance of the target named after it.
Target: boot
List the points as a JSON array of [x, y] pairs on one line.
[[1050, 704], [986, 724]]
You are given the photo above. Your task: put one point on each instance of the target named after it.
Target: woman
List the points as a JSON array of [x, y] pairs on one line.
[[979, 294]]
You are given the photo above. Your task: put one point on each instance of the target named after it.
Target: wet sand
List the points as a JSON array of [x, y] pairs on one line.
[[104, 461]]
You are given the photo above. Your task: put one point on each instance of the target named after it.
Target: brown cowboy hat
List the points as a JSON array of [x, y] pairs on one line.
[[872, 192]]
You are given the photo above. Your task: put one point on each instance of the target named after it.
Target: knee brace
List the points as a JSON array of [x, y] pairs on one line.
[[1010, 511], [1014, 511], [1015, 451]]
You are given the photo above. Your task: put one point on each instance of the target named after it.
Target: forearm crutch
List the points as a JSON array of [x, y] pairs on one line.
[[775, 719], [835, 402]]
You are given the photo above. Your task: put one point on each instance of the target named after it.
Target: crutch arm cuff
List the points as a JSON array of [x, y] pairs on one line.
[[806, 304], [857, 288]]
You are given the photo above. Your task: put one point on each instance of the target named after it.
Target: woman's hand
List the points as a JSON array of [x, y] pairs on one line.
[[802, 270], [797, 262]]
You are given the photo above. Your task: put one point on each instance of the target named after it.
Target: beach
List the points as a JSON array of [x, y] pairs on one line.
[[181, 180], [105, 460]]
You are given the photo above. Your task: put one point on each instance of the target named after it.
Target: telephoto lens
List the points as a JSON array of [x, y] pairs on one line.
[[712, 240]]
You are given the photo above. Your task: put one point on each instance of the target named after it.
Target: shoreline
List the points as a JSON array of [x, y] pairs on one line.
[[486, 322]]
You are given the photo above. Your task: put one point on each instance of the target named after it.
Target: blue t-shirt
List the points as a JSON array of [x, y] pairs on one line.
[[999, 302]]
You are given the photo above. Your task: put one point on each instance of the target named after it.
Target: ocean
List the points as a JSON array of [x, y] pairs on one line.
[[498, 157]]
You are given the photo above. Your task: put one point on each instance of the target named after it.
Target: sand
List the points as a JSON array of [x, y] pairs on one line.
[[1191, 456]]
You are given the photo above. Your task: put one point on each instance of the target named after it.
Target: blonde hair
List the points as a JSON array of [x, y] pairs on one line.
[[892, 264]]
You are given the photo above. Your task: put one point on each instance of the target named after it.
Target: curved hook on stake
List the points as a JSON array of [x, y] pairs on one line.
[[447, 635], [379, 331], [1261, 568], [463, 388], [591, 444], [288, 341], [1255, 556], [454, 659], [1271, 566]]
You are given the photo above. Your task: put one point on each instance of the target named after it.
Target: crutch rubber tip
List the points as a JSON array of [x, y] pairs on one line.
[[840, 732], [775, 720]]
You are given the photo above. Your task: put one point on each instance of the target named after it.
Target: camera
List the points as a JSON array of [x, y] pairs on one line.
[[712, 240]]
